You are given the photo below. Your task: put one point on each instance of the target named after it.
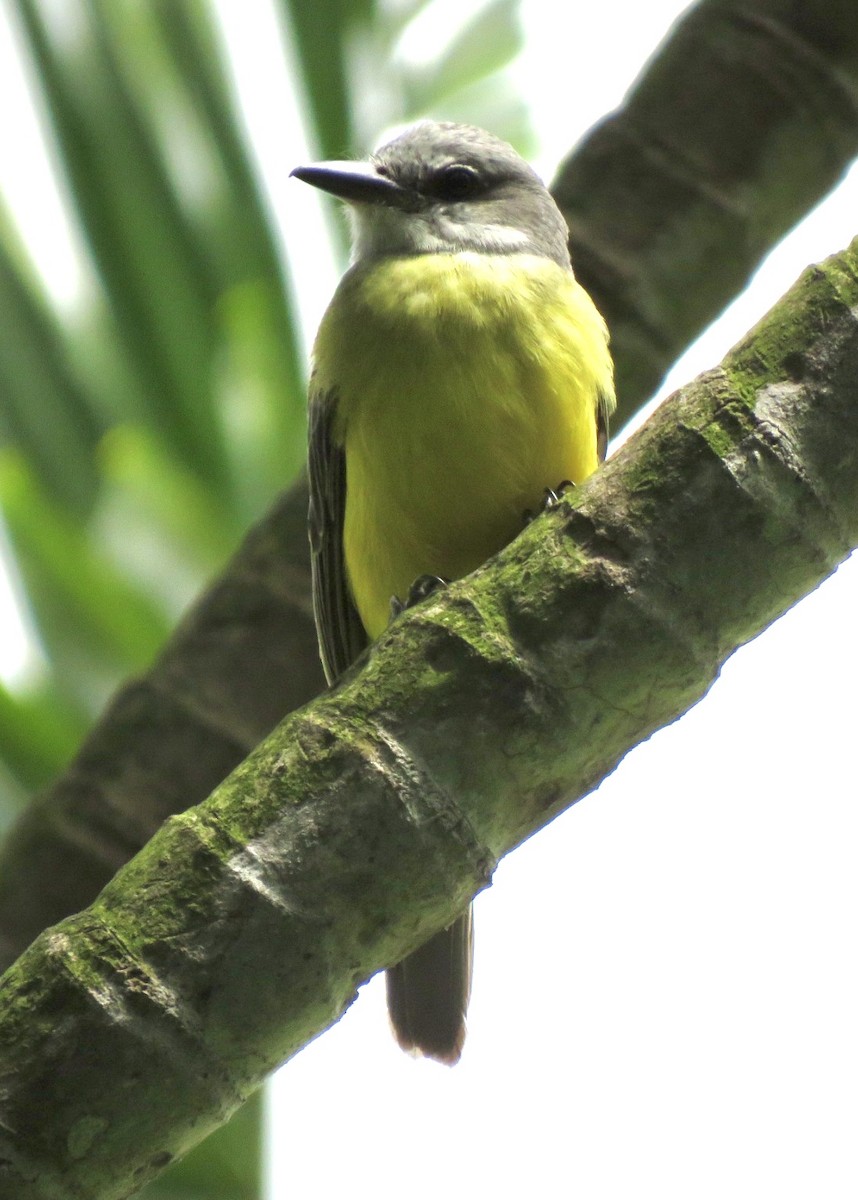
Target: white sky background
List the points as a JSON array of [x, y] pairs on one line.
[[665, 990]]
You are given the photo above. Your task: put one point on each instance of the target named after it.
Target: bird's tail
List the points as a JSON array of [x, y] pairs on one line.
[[428, 993]]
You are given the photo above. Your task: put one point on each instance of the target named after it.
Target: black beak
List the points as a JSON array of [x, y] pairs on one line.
[[355, 182]]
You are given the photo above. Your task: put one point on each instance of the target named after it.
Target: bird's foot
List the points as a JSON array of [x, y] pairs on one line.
[[422, 587], [550, 499]]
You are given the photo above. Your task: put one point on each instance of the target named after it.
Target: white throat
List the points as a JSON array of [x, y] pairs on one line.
[[379, 231]]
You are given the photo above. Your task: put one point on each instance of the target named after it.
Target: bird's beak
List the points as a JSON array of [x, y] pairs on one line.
[[355, 182]]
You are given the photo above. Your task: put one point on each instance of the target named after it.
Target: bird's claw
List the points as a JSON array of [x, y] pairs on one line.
[[422, 587], [551, 497]]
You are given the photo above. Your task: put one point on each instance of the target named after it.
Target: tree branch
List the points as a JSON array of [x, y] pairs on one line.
[[672, 206], [367, 819], [743, 120], [245, 655]]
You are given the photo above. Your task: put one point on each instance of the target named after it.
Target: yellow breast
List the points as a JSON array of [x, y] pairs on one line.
[[466, 384]]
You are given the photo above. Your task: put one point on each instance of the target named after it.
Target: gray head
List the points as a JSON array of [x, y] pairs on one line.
[[443, 188]]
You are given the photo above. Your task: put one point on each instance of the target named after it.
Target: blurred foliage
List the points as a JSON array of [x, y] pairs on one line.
[[369, 64], [140, 434]]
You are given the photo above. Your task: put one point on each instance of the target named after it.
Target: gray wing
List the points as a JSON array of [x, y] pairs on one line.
[[603, 413], [341, 635]]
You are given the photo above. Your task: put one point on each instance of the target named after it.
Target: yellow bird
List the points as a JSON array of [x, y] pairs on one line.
[[459, 372]]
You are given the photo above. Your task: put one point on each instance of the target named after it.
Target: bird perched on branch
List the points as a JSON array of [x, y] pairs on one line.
[[459, 372]]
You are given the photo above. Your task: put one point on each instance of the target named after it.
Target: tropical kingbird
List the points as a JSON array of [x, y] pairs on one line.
[[459, 372]]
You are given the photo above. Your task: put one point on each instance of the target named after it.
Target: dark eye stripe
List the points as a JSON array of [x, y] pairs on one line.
[[457, 182]]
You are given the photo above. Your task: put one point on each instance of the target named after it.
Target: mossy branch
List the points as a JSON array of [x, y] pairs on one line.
[[368, 818], [245, 655], [742, 120], [672, 205]]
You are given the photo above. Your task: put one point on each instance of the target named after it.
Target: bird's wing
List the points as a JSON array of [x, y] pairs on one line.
[[341, 635], [604, 405]]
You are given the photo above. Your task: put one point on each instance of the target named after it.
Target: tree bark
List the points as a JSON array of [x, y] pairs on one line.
[[740, 124], [367, 820]]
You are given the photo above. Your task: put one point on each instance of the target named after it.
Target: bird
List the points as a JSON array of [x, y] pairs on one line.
[[459, 373]]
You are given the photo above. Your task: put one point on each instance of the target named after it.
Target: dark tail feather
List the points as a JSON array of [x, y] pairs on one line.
[[428, 992]]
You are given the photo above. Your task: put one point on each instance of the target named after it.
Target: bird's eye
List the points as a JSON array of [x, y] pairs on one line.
[[457, 182]]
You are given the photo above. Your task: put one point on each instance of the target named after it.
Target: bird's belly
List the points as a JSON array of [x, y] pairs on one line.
[[466, 385], [447, 483]]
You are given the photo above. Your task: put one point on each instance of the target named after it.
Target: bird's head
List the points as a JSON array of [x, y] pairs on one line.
[[444, 188]]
